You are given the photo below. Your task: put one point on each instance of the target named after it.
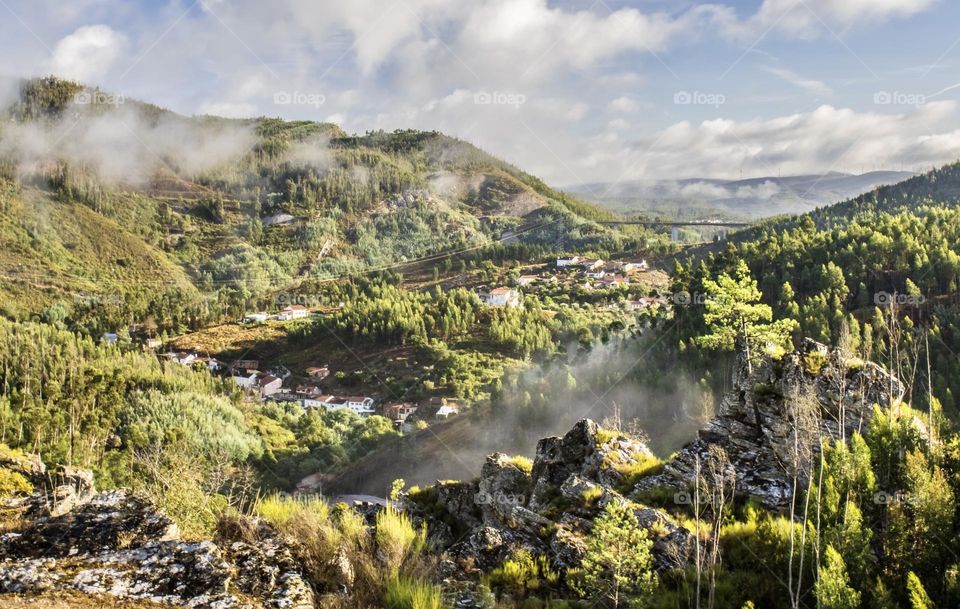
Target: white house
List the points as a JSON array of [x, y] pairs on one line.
[[595, 274], [319, 372], [360, 404], [525, 280], [565, 262], [293, 312], [269, 385], [256, 317], [246, 382], [632, 267], [501, 297], [447, 410], [590, 264]]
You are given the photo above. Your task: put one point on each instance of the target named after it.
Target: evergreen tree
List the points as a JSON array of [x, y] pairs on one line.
[[618, 561]]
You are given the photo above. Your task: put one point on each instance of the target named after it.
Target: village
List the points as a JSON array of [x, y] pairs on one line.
[[308, 388]]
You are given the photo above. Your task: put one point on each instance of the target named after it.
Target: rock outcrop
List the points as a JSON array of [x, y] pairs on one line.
[[67, 537], [775, 406], [548, 510]]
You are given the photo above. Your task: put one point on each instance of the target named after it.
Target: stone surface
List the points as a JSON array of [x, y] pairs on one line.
[[757, 419], [116, 543]]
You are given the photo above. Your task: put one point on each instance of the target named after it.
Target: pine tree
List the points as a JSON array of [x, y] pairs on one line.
[[618, 561], [833, 588]]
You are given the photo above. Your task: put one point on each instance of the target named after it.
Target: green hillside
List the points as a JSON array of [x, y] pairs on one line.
[[128, 194]]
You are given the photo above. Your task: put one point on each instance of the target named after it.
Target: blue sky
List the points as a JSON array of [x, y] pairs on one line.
[[574, 91]]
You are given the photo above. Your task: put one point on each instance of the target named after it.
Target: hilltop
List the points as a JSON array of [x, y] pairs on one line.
[[214, 213]]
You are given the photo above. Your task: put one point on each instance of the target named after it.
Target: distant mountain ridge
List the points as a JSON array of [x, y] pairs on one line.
[[744, 199]]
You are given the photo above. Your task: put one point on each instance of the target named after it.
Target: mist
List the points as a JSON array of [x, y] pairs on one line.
[[122, 142], [604, 385]]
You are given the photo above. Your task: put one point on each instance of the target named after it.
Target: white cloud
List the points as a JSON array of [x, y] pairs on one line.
[[88, 53], [623, 104], [807, 17], [810, 85], [827, 139]]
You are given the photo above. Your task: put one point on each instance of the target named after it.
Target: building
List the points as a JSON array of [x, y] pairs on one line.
[[614, 281], [245, 365], [635, 267], [293, 312], [256, 317], [642, 303], [153, 343], [307, 391], [268, 385], [399, 412], [319, 372], [318, 401], [360, 404], [246, 382], [447, 410], [525, 280], [110, 338], [565, 262], [590, 264], [501, 297], [595, 274]]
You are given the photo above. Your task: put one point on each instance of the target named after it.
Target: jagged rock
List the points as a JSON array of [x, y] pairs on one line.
[[110, 520], [568, 547], [30, 467], [502, 488], [117, 543], [585, 451], [756, 422]]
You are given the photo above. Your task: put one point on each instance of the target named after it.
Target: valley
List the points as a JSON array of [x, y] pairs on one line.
[[202, 347]]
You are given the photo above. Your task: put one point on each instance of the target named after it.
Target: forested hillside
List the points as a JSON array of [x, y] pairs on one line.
[[241, 209]]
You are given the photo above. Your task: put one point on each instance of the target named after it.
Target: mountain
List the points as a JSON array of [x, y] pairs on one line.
[[746, 199], [211, 213]]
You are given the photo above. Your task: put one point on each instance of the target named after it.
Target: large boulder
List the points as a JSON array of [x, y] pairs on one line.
[[117, 543], [774, 406]]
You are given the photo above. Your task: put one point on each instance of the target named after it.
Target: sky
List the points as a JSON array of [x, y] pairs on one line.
[[575, 91]]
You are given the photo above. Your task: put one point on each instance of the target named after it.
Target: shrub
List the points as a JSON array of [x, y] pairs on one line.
[[407, 593], [13, 483], [397, 540]]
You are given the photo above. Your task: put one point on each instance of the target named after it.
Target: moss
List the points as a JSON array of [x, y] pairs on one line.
[[522, 463], [814, 362], [13, 483]]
